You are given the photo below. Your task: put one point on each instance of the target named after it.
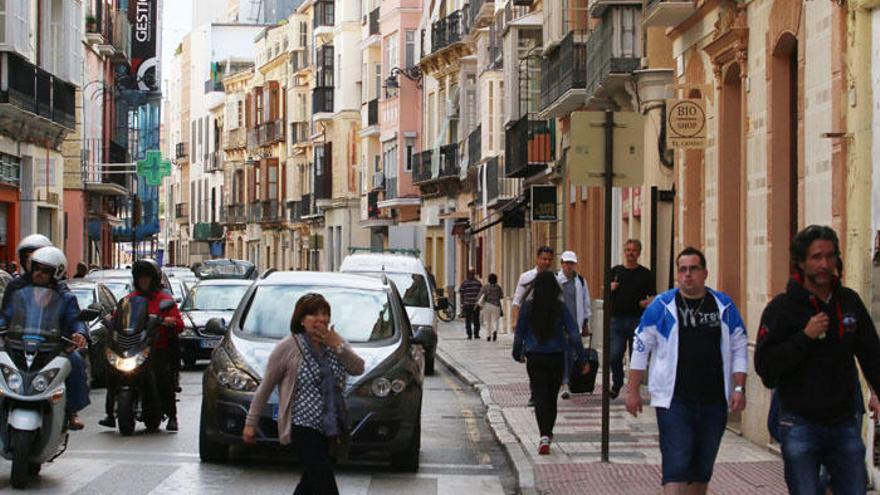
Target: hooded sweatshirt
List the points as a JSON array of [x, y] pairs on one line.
[[817, 378]]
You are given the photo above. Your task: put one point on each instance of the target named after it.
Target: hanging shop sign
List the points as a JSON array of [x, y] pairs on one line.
[[543, 201], [685, 124]]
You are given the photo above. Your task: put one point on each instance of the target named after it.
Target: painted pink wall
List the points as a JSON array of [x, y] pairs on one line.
[[75, 210]]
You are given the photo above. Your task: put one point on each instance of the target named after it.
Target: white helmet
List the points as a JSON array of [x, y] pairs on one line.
[[54, 257], [32, 243]]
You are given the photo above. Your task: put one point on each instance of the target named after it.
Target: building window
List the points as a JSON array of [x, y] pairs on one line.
[[272, 182], [391, 50], [303, 34], [410, 49], [378, 80], [240, 113], [410, 151], [390, 159]]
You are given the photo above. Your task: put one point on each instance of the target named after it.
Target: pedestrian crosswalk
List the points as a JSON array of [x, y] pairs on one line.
[[92, 474]]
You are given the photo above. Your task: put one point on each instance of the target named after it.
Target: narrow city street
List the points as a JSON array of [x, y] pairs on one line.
[[459, 455]]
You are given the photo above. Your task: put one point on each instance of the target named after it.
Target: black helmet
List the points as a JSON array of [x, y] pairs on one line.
[[147, 267]]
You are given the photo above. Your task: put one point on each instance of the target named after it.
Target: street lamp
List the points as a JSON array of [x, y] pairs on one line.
[[392, 86], [652, 88]]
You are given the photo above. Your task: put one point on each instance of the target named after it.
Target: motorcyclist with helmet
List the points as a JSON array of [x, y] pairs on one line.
[[26, 248], [148, 284], [47, 267]]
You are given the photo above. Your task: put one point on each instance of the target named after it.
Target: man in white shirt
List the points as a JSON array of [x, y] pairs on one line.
[[543, 262]]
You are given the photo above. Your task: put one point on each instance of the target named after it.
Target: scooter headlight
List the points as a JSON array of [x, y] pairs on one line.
[[13, 379], [40, 383]]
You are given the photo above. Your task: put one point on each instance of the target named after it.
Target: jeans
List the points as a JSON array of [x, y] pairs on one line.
[[545, 378], [622, 330], [472, 320], [807, 445], [77, 384], [313, 450], [690, 434]]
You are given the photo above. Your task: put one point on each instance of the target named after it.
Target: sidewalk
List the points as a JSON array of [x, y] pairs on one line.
[[573, 465]]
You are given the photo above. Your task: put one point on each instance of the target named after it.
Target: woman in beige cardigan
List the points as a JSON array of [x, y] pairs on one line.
[[310, 369]]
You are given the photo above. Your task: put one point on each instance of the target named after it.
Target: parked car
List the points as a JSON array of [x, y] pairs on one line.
[[227, 269], [95, 295], [409, 275], [208, 299], [179, 289], [119, 281], [384, 403]]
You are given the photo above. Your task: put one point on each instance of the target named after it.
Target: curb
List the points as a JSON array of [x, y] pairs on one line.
[[502, 432]]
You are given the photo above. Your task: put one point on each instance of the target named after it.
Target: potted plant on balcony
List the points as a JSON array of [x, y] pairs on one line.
[[91, 24]]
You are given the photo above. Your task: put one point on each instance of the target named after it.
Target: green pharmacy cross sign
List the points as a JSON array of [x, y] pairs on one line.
[[153, 168]]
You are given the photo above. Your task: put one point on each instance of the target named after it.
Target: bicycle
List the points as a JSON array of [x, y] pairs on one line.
[[444, 307]]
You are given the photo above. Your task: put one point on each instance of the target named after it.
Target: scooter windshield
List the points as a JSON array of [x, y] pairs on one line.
[[36, 314], [131, 315]]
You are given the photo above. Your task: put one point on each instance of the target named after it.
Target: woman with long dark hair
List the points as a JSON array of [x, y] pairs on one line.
[[310, 369], [545, 332]]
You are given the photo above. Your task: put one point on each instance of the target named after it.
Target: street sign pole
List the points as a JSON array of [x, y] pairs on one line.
[[606, 306]]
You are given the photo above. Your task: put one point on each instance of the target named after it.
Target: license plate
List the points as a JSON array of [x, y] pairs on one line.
[[209, 344]]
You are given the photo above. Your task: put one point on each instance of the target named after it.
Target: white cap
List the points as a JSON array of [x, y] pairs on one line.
[[569, 257]]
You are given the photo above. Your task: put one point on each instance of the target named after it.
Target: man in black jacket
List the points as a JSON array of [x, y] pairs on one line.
[[806, 344]]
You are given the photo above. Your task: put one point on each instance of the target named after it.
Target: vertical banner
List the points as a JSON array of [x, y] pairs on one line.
[[144, 62]]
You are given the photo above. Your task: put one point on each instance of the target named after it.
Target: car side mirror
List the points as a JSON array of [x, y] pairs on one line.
[[425, 337], [89, 314], [166, 305], [215, 326]]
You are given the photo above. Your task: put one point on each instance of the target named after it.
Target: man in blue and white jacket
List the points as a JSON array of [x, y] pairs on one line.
[[698, 349]]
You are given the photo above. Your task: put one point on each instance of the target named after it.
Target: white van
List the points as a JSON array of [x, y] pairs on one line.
[[409, 275]]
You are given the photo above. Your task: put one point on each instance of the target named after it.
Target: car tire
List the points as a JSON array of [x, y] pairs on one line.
[[429, 363], [209, 450], [408, 460]]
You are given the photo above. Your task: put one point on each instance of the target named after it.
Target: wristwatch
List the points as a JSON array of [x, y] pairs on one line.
[[739, 388]]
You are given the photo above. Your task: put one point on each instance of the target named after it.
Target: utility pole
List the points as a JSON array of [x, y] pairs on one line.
[[606, 306]]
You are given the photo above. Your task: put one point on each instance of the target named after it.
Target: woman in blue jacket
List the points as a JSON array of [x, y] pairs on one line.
[[545, 331]]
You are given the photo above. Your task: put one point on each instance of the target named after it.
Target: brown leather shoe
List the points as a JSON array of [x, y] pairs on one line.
[[74, 423]]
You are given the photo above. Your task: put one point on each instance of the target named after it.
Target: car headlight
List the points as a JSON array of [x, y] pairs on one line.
[[384, 387], [231, 376], [188, 332], [13, 378], [41, 382]]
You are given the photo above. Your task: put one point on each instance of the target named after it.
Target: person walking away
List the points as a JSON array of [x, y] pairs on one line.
[[147, 277], [491, 294], [632, 290], [309, 368], [47, 267], [806, 343], [543, 261], [470, 293], [576, 295], [698, 349], [545, 332]]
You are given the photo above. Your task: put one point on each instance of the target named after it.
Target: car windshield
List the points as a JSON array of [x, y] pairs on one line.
[[119, 288], [214, 297], [412, 287], [177, 288], [85, 297], [358, 315]]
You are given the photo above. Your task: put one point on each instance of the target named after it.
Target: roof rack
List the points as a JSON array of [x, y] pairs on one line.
[[408, 252]]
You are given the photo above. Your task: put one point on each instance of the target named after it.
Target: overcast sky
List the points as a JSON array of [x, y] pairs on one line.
[[176, 22]]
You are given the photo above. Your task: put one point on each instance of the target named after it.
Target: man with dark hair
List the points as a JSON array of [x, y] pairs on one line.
[[698, 348], [543, 261], [470, 292], [807, 340], [632, 290]]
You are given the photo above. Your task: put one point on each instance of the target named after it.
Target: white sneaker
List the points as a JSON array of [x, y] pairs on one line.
[[544, 446]]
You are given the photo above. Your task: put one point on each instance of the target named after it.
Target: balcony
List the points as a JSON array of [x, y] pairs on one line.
[[447, 165], [498, 187], [668, 13], [271, 132], [215, 162], [564, 76], [180, 150], [121, 37], [374, 21], [271, 212], [322, 101], [255, 212], [253, 137], [35, 106], [181, 211], [446, 32], [378, 181], [475, 146], [234, 139], [598, 8], [324, 15], [481, 13], [212, 86], [614, 51], [299, 133], [203, 231], [373, 112], [529, 146], [236, 214]]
